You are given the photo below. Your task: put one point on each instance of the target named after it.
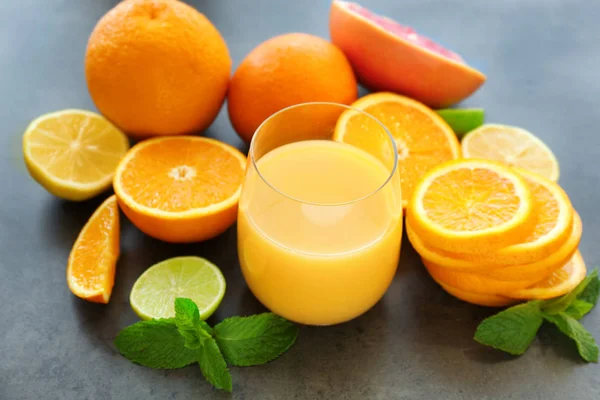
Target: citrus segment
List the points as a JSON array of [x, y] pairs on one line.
[[512, 146], [91, 265], [155, 291], [471, 206], [180, 189], [390, 57], [558, 283], [73, 153], [423, 139]]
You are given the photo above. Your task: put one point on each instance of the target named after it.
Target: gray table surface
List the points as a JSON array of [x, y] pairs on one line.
[[542, 59]]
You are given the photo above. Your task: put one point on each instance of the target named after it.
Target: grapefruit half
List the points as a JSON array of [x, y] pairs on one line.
[[387, 56]]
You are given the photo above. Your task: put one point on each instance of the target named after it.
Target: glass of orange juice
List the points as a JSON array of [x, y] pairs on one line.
[[320, 214]]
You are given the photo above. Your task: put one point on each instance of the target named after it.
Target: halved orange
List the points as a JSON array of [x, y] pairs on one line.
[[91, 265], [182, 188], [424, 140], [558, 283], [512, 146], [471, 206], [487, 300], [477, 283]]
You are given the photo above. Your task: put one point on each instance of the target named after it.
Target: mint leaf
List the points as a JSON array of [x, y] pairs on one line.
[[511, 330], [586, 345], [591, 292], [254, 340], [189, 324], [578, 308], [155, 344], [187, 314], [559, 304], [213, 365]]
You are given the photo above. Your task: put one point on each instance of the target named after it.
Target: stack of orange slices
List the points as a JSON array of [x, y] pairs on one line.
[[493, 235]]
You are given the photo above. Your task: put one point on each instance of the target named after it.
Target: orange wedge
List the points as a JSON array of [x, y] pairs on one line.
[[91, 265], [558, 283], [471, 206], [422, 137], [487, 300], [180, 189], [512, 146]]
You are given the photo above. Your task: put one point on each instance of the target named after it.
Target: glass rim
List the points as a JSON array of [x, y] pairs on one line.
[[326, 103]]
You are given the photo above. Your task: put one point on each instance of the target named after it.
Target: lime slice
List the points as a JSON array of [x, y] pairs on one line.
[[154, 293], [463, 120]]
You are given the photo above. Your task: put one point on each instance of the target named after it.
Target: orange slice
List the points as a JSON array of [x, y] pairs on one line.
[[180, 189], [476, 283], [508, 273], [558, 283], [553, 215], [422, 137], [487, 300], [471, 206], [91, 265], [512, 146]]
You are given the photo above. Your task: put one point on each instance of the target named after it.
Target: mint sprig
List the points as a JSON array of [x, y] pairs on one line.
[[186, 339], [515, 328]]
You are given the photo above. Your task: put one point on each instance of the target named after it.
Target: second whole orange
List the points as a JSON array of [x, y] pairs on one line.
[[284, 71], [157, 67]]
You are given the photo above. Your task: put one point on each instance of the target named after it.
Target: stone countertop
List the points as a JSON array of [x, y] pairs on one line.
[[541, 58]]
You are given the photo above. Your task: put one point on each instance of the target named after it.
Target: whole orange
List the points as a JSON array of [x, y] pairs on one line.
[[287, 70], [157, 67]]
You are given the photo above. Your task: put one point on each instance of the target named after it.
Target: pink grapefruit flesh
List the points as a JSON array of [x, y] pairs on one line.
[[388, 56]]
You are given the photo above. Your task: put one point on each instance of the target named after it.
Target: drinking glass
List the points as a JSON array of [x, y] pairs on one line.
[[320, 214]]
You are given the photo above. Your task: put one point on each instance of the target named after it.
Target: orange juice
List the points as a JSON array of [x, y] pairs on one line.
[[319, 231]]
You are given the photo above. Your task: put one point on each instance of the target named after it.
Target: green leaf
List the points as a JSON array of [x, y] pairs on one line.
[[188, 315], [189, 324], [155, 344], [511, 330], [254, 340], [213, 365], [578, 308], [591, 292], [586, 345], [559, 304]]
